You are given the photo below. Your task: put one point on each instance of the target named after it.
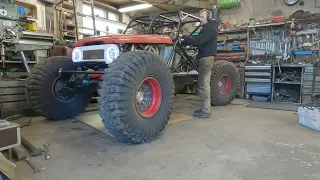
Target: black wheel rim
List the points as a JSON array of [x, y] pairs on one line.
[[61, 91]]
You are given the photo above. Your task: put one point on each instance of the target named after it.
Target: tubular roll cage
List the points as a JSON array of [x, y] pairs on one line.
[[160, 20], [177, 19]]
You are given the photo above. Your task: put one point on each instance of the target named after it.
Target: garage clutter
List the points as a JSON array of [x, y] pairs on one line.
[[280, 60], [277, 56]]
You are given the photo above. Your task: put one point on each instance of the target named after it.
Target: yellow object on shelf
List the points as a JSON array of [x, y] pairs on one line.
[[31, 27]]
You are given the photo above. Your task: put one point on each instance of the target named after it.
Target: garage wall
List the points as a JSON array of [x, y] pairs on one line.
[[41, 20], [262, 8], [101, 24]]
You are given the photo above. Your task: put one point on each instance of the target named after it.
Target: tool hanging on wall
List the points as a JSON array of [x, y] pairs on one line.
[[286, 55]]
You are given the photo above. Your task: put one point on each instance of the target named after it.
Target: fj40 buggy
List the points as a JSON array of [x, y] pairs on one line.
[[134, 74]]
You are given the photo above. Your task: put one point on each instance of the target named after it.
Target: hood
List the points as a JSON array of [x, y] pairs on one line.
[[123, 39]]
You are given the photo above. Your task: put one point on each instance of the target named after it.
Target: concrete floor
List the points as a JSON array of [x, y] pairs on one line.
[[237, 143]]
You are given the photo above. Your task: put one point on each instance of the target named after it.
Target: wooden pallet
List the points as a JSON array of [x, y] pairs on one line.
[[12, 97]]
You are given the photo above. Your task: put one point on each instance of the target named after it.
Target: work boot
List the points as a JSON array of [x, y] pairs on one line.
[[202, 114]]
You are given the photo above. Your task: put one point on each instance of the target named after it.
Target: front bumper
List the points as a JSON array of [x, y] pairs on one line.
[[105, 53]]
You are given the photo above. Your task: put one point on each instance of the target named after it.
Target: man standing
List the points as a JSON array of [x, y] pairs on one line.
[[206, 41]]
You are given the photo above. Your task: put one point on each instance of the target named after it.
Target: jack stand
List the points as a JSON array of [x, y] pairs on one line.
[[46, 151]]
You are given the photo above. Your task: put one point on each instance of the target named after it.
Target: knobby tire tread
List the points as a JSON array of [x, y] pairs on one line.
[[38, 90], [122, 119], [220, 68]]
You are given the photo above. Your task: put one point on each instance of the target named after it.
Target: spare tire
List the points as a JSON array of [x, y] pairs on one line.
[[46, 92], [136, 96], [225, 81]]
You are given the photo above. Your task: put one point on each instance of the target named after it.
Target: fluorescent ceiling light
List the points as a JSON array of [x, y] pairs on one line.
[[136, 7]]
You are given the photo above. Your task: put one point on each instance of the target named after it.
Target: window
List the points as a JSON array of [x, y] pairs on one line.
[[86, 9], [113, 16], [102, 24], [107, 29], [87, 23]]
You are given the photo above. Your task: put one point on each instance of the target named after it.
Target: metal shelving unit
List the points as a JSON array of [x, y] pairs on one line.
[[307, 84], [287, 87], [233, 31], [232, 45]]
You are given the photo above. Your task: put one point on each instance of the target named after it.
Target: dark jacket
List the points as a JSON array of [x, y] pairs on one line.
[[206, 40]]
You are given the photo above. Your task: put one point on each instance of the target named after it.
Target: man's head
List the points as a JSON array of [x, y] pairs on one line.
[[205, 16]]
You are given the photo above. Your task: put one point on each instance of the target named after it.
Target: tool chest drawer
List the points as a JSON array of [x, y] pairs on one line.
[[258, 82]]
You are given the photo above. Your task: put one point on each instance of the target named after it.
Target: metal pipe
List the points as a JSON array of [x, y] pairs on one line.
[[2, 53], [81, 72], [26, 65], [214, 12], [93, 18], [190, 15], [75, 19]]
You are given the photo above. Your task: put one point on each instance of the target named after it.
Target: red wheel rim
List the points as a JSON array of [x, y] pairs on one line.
[[148, 97], [224, 84]]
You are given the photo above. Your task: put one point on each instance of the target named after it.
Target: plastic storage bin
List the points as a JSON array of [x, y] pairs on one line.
[[310, 117]]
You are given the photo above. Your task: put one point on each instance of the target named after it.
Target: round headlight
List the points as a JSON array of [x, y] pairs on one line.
[[112, 53], [76, 55]]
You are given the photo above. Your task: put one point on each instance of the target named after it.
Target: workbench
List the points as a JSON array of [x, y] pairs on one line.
[[29, 41]]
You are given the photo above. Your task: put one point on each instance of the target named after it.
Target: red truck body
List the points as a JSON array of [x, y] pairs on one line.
[[125, 39]]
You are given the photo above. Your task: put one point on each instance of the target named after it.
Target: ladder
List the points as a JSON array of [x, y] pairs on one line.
[[67, 20]]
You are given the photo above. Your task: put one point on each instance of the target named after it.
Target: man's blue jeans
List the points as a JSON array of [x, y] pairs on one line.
[[4, 177]]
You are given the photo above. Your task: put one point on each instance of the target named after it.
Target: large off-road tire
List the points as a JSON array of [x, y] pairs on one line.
[[133, 78], [225, 81], [42, 84]]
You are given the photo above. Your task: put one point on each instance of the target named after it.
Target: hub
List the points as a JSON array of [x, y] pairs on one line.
[[62, 91], [148, 97]]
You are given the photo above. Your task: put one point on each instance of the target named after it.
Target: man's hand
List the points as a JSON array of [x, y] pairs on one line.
[[179, 38]]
